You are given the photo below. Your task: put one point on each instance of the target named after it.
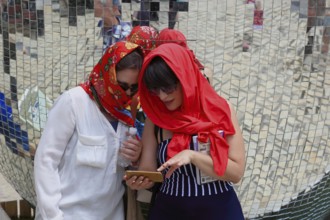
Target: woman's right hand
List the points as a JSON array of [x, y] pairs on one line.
[[138, 183]]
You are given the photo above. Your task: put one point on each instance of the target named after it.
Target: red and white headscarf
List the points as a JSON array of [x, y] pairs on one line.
[[103, 78], [144, 36], [203, 111]]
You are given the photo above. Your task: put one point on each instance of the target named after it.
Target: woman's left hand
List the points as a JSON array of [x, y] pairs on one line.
[[180, 159], [131, 149], [138, 182]]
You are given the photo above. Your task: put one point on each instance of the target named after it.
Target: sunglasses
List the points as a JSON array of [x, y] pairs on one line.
[[167, 90], [133, 88]]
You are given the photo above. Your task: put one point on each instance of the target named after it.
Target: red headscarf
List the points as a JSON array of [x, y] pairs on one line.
[[168, 35], [203, 111], [103, 78], [144, 36]]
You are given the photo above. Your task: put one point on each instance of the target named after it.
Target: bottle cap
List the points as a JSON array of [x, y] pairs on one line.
[[132, 131]]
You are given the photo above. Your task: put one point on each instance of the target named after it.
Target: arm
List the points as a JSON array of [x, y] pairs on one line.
[[236, 157], [148, 158], [57, 133], [105, 10]]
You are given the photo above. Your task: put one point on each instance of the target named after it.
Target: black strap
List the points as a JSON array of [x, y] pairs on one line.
[[161, 135], [156, 130], [160, 131]]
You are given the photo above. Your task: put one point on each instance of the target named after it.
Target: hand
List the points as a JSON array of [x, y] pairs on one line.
[[138, 183], [180, 159], [131, 149]]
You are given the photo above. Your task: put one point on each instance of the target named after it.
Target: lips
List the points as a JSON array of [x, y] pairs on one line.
[[168, 102]]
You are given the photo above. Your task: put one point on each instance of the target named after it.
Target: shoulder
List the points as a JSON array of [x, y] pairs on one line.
[[78, 95], [73, 98]]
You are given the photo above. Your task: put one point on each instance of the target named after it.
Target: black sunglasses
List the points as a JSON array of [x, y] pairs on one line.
[[167, 90], [133, 88]]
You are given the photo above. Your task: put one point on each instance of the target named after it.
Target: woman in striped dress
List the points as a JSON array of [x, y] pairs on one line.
[[180, 104]]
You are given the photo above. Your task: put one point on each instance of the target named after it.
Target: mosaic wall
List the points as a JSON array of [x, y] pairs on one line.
[[270, 58]]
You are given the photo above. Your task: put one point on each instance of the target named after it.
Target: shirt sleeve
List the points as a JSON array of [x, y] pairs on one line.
[[55, 137]]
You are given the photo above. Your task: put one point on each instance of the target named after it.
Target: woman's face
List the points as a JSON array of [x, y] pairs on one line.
[[171, 97], [128, 80]]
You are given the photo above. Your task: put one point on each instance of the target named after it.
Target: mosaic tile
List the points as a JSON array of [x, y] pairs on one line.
[[269, 58]]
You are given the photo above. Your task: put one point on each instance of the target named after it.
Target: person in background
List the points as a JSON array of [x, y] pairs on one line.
[[107, 11], [76, 166], [113, 29], [180, 103]]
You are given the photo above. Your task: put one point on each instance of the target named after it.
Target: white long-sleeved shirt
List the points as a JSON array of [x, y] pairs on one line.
[[75, 166]]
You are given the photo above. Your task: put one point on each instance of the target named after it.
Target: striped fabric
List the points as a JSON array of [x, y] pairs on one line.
[[183, 181]]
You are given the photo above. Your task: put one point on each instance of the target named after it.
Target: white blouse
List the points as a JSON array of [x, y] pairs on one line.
[[75, 166]]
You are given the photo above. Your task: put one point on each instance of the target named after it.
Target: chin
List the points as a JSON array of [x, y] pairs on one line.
[[172, 108]]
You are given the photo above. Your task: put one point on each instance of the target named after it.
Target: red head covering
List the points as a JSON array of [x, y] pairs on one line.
[[168, 35], [203, 111], [144, 36], [103, 78]]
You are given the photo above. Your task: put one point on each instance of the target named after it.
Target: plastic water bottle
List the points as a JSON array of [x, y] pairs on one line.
[[123, 162]]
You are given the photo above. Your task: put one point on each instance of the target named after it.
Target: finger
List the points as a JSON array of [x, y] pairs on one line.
[[163, 166], [132, 141], [141, 183], [132, 180], [126, 151], [169, 172], [173, 167], [145, 183], [131, 147], [131, 156], [130, 152]]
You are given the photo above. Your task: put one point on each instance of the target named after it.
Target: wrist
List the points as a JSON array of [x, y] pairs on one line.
[[192, 156], [135, 163]]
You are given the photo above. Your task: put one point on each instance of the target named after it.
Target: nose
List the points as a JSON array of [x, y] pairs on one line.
[[129, 92], [162, 95]]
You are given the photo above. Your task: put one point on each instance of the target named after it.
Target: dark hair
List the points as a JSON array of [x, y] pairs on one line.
[[159, 75], [132, 60]]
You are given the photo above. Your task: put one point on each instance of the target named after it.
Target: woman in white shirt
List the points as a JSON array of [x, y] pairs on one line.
[[76, 166]]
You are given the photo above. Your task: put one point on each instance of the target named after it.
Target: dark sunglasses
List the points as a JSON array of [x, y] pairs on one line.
[[167, 90], [133, 88]]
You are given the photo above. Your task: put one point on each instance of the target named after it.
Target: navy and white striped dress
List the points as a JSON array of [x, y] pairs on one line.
[[183, 181], [180, 197]]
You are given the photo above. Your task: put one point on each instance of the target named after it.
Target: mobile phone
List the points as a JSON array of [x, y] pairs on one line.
[[151, 175]]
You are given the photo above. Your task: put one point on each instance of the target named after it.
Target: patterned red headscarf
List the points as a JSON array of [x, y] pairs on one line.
[[203, 111], [103, 78], [144, 36], [168, 35]]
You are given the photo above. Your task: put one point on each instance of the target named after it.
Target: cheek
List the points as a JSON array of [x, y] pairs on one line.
[[129, 76], [135, 75], [179, 97], [179, 101]]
